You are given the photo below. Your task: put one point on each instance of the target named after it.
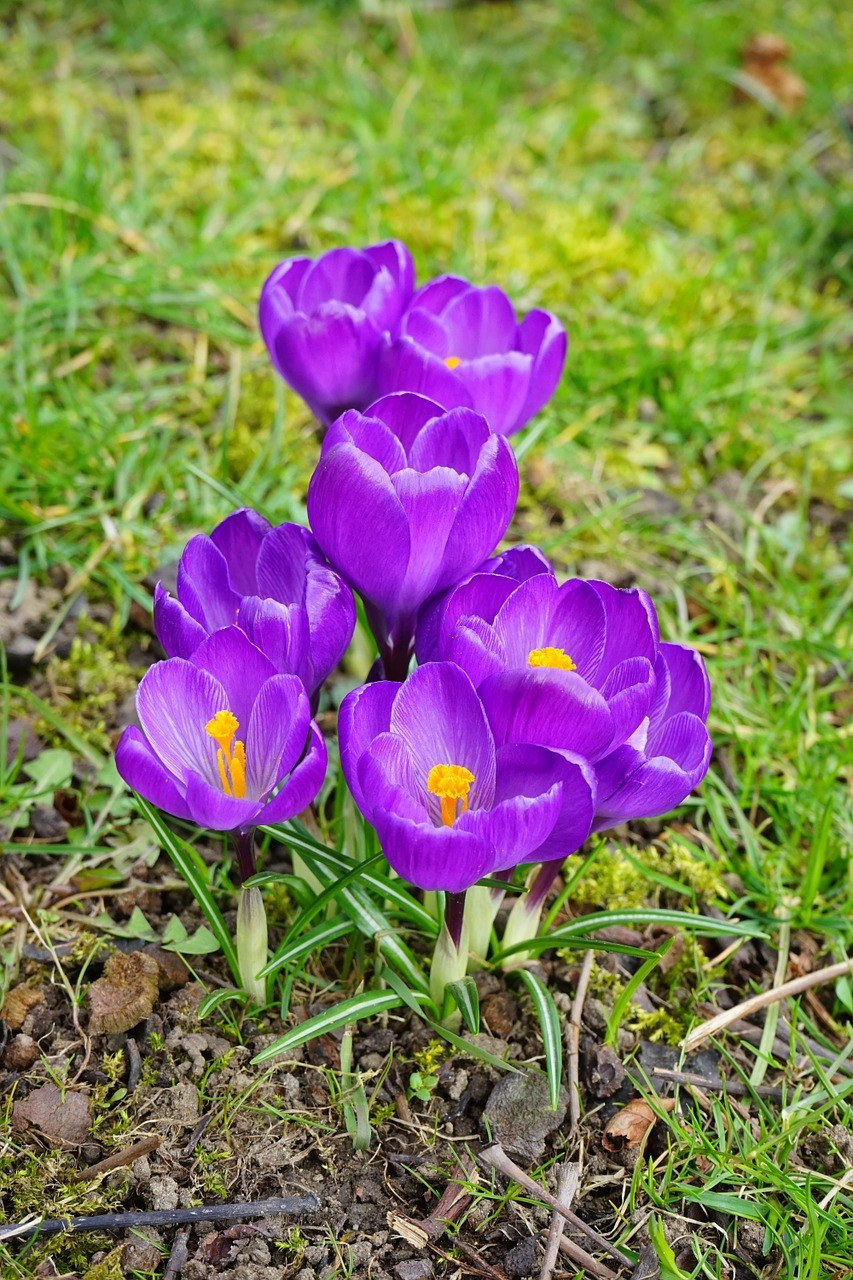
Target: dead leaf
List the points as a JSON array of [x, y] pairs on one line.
[[125, 994], [64, 1119], [761, 60], [630, 1125], [19, 1002]]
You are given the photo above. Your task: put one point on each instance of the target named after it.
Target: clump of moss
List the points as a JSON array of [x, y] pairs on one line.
[[618, 877], [88, 685]]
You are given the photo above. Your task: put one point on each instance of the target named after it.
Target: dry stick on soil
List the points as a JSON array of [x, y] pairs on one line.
[[496, 1158], [581, 1258], [567, 1184], [179, 1256], [120, 1158], [285, 1205], [764, 998], [134, 1058], [736, 1088], [575, 1041]]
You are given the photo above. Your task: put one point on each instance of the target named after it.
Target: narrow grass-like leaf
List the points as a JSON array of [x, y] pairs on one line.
[[549, 1025], [320, 936], [584, 926], [365, 1005], [466, 998], [621, 1003], [418, 1001], [470, 1048], [194, 871], [217, 999]]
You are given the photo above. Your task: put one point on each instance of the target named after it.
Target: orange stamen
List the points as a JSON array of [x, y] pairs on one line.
[[451, 783], [549, 657]]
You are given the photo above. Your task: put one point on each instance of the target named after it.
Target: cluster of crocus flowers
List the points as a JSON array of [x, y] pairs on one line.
[[538, 712]]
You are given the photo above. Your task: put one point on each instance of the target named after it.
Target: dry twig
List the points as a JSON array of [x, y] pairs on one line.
[[120, 1158], [179, 1256], [285, 1205], [764, 998], [575, 1039], [567, 1184], [496, 1158]]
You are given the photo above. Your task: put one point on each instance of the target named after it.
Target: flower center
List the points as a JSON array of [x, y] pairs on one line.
[[231, 756], [451, 783], [453, 361], [549, 657]]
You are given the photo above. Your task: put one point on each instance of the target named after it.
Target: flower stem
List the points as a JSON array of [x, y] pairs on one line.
[[244, 842], [252, 942], [524, 918], [450, 958], [482, 905]]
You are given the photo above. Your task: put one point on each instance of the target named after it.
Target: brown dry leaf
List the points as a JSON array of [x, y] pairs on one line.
[[125, 994], [19, 1002], [630, 1125], [761, 59], [66, 1120]]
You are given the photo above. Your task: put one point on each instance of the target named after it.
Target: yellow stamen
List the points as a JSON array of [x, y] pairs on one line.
[[451, 783], [549, 657], [453, 361], [230, 761]]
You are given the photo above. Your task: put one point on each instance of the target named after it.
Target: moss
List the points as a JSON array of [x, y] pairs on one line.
[[109, 1268], [622, 876], [88, 685]]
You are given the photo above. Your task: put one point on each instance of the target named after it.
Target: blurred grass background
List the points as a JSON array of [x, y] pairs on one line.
[[158, 159]]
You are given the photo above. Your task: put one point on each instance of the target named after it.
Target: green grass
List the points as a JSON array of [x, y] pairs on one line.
[[157, 159]]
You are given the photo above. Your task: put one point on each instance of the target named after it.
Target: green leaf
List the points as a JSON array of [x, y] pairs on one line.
[[364, 1005], [199, 943], [218, 998], [669, 1268], [191, 867], [621, 1003], [465, 996], [720, 1202], [549, 1025], [51, 769], [313, 940], [470, 1049]]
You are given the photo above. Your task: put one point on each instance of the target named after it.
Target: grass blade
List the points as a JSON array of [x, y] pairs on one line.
[[465, 996], [194, 871], [549, 1025], [621, 1003], [364, 1005], [320, 936]]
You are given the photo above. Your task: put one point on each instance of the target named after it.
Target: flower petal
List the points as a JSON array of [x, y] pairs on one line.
[[239, 538], [475, 647], [204, 585], [210, 807], [632, 626], [144, 772], [628, 691], [240, 668], [452, 440], [329, 357], [430, 501], [440, 718], [579, 626], [403, 365], [304, 783], [520, 822], [541, 335], [480, 322], [364, 714], [387, 779], [354, 512], [548, 708], [498, 386], [281, 633], [431, 857], [576, 776], [485, 511], [276, 734], [174, 702], [179, 634]]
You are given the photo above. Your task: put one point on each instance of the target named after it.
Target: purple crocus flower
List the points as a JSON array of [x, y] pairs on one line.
[[324, 321], [462, 345], [272, 583], [569, 666], [668, 755], [406, 500], [226, 740], [448, 805]]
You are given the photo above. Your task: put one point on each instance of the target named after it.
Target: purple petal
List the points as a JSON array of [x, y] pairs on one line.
[[474, 646], [498, 386], [210, 807], [688, 684], [436, 294], [179, 634], [328, 358], [204, 585], [144, 772], [277, 296], [405, 413], [630, 787], [427, 331], [239, 538], [281, 633], [632, 626], [520, 766], [341, 275], [239, 667], [282, 564], [431, 502], [440, 718], [432, 857], [364, 714], [523, 622], [485, 511], [452, 440], [372, 437], [628, 691], [541, 335], [518, 824], [174, 702], [304, 783], [394, 257], [276, 734], [359, 522], [480, 322], [480, 596], [403, 365], [387, 780], [520, 563], [579, 626], [547, 708]]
